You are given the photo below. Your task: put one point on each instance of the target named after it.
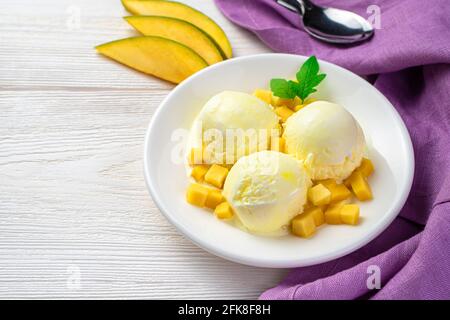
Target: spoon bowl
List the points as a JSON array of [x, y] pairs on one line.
[[330, 24]]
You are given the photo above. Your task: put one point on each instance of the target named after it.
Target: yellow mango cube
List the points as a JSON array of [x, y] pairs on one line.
[[303, 226], [298, 107], [196, 195], [308, 101], [224, 211], [317, 214], [278, 144], [284, 113], [360, 186], [198, 172], [278, 102], [195, 156], [216, 175], [319, 195], [348, 181], [366, 167], [264, 95], [213, 199], [333, 213], [296, 101], [328, 183], [338, 191], [350, 214]]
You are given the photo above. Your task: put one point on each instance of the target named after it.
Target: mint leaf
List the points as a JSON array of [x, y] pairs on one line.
[[309, 68], [307, 77], [283, 88]]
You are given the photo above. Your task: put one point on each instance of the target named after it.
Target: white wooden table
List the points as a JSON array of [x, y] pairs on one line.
[[76, 220]]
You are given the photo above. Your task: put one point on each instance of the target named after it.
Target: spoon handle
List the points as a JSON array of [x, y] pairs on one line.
[[299, 6]]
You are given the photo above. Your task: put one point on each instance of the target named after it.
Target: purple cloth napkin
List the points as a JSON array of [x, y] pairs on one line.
[[408, 60]]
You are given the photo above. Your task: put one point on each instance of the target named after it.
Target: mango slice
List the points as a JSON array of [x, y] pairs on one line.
[[181, 11], [163, 58], [180, 31]]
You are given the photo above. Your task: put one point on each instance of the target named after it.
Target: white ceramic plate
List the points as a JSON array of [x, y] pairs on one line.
[[390, 149]]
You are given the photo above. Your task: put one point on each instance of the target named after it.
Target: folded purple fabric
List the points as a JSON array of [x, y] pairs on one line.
[[408, 60]]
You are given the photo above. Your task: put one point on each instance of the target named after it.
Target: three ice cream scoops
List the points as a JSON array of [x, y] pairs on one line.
[[273, 166]]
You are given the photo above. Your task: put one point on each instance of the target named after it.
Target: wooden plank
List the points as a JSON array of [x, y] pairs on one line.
[[72, 196]]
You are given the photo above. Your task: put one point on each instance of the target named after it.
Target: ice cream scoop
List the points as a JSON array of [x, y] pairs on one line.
[[233, 124], [327, 138], [266, 190]]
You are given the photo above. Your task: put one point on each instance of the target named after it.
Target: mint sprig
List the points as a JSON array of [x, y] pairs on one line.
[[308, 78]]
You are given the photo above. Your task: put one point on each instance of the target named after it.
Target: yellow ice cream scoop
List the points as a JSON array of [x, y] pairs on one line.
[[233, 124], [266, 190], [327, 138]]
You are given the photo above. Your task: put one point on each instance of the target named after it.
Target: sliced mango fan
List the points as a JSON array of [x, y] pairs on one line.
[[177, 40]]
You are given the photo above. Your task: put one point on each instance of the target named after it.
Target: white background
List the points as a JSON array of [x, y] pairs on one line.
[[76, 220]]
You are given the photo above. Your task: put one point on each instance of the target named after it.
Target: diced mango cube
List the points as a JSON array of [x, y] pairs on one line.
[[277, 144], [224, 211], [196, 195], [366, 167], [361, 187], [307, 205], [333, 213], [317, 214], [216, 175], [348, 181], [214, 198], [295, 102], [199, 171], [195, 156], [328, 183], [264, 95], [338, 191], [298, 107], [350, 214], [284, 113], [319, 195], [278, 102], [303, 225], [309, 100]]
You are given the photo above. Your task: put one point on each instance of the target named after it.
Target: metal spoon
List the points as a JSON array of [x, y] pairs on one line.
[[330, 24]]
